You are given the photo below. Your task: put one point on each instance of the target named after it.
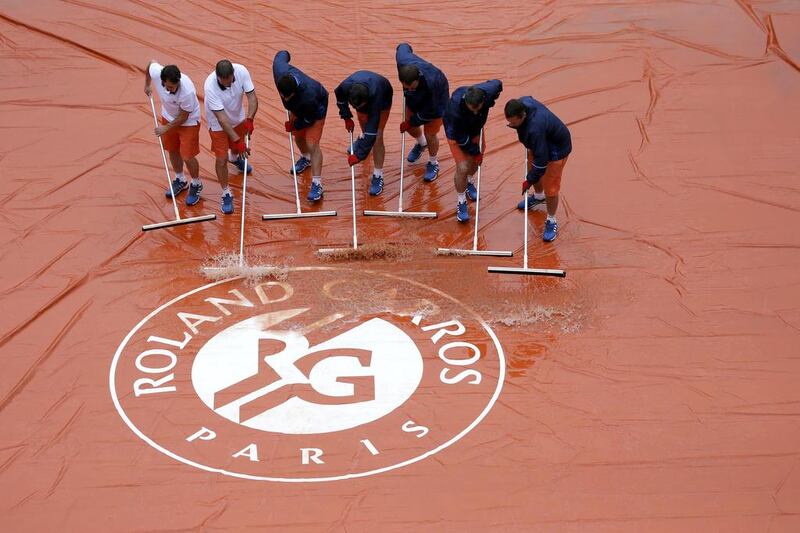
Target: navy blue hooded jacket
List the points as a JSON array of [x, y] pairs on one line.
[[379, 99], [310, 102], [545, 135], [428, 101], [461, 124]]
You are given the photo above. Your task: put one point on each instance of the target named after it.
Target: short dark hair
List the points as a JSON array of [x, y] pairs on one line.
[[224, 69], [358, 94], [287, 85], [408, 73], [514, 108], [171, 73], [474, 96]]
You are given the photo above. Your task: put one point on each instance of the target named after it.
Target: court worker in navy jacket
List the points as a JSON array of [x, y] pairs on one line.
[[370, 94], [307, 102], [548, 144], [464, 118], [426, 93]]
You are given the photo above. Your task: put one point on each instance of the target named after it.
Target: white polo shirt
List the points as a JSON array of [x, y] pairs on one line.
[[228, 100], [184, 99]]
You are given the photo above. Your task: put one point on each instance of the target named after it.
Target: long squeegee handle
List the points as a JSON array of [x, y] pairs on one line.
[[166, 166]]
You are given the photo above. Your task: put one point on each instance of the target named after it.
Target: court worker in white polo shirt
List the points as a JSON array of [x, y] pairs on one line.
[[227, 122], [180, 125]]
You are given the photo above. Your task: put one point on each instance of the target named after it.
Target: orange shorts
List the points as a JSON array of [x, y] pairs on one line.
[[311, 134], [460, 155], [551, 181], [185, 139], [362, 119], [220, 143], [430, 128]]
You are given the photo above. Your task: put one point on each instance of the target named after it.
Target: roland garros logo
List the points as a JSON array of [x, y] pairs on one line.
[[329, 374]]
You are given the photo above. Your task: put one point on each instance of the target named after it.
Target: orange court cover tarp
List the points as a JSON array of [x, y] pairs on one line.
[[655, 388]]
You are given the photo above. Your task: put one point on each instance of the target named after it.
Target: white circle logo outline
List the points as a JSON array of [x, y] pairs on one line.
[[453, 440]]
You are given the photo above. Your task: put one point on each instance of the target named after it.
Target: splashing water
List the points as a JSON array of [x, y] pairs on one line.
[[227, 265]]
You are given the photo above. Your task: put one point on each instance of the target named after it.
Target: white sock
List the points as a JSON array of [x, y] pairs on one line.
[[470, 179], [422, 140], [227, 191], [196, 181], [434, 160], [180, 176], [378, 172], [316, 179], [462, 197], [307, 156], [538, 195], [551, 218]]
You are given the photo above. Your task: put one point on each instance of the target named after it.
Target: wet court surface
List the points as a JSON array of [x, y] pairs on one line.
[[655, 388]]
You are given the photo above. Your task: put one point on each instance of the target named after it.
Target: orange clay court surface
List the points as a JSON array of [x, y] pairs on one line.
[[656, 388]]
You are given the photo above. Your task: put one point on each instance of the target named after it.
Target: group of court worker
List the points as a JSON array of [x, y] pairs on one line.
[[428, 106]]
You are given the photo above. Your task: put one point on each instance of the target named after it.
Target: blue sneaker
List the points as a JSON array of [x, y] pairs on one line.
[[315, 194], [416, 152], [531, 202], [227, 204], [472, 192], [239, 163], [302, 164], [550, 230], [194, 194], [431, 171], [375, 185], [462, 213], [177, 187]]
